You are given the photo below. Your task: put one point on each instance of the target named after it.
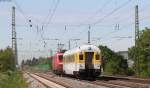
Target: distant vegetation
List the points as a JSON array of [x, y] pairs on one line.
[[9, 76], [141, 54], [40, 63]]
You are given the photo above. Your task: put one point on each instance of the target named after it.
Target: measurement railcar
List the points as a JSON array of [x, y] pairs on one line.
[[83, 61]]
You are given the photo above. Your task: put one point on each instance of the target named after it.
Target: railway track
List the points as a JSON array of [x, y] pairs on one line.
[[46, 82], [113, 82], [108, 82], [131, 79], [126, 81]]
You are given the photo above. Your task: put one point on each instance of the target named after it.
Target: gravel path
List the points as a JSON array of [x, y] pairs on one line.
[[32, 83]]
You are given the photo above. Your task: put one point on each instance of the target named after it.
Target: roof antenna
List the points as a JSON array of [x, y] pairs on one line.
[[89, 34]]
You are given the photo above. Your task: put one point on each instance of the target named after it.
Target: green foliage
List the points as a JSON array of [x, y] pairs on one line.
[[141, 54], [7, 60], [130, 72], [12, 80], [36, 61], [113, 63]]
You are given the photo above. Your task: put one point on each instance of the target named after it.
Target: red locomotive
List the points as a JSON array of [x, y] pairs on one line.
[[57, 63]]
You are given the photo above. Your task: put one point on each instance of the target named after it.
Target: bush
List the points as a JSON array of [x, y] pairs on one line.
[[130, 72], [113, 63], [7, 60], [13, 80]]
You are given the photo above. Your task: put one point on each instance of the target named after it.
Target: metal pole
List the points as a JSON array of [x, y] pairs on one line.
[[137, 37], [14, 37], [136, 25], [89, 34], [69, 44]]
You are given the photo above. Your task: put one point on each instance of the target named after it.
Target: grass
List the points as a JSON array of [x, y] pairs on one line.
[[12, 80]]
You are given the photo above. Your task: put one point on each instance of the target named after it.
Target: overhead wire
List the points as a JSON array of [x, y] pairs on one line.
[[113, 10], [52, 15], [141, 19], [48, 15], [121, 6], [97, 12], [97, 21], [22, 12], [30, 23], [128, 24], [109, 14]]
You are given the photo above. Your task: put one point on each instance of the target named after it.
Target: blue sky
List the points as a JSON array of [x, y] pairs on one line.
[[76, 15]]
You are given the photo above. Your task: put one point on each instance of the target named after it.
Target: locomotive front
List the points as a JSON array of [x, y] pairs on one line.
[[91, 57], [57, 65]]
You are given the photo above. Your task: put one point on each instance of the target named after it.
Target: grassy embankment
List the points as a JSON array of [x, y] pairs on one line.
[[12, 80]]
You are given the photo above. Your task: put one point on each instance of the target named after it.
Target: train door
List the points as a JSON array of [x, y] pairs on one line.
[[88, 60], [60, 58]]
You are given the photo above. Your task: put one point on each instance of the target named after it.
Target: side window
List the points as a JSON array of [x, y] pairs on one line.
[[81, 56], [97, 57]]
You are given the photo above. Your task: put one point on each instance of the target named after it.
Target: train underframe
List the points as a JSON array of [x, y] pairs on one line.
[[87, 73]]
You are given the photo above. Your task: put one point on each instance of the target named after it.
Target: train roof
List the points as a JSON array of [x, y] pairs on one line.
[[59, 53], [85, 48]]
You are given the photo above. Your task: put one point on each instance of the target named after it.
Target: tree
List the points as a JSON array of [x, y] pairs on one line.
[[7, 60], [112, 62], [140, 54]]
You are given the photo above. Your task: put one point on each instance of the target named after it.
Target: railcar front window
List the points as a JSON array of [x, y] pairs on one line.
[[89, 55], [81, 57], [97, 57]]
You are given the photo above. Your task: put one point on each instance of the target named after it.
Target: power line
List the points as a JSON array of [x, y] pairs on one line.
[[116, 8], [26, 18], [97, 12], [53, 13], [109, 14], [44, 25], [48, 15], [21, 11]]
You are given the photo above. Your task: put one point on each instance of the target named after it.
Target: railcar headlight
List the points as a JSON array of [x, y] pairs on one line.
[[81, 66]]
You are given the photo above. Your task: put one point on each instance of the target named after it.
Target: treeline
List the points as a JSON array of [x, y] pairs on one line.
[[7, 60], [35, 61], [140, 54], [40, 63], [114, 64]]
